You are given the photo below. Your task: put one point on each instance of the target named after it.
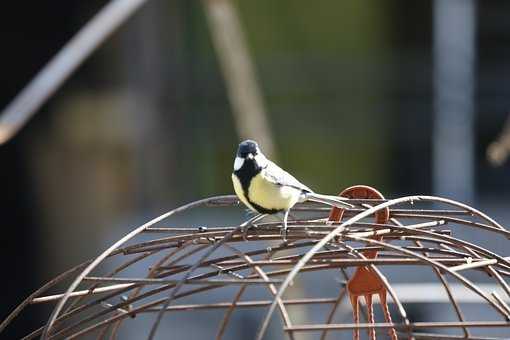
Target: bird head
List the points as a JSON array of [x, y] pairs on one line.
[[249, 151]]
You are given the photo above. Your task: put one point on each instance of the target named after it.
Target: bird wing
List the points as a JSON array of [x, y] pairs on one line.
[[274, 174]]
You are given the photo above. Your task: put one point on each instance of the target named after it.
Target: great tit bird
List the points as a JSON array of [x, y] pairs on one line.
[[266, 188]]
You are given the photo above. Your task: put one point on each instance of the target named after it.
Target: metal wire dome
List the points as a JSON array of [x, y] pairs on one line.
[[356, 251]]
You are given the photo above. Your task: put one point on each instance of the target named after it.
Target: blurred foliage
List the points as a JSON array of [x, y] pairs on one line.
[[338, 28], [319, 70], [318, 67]]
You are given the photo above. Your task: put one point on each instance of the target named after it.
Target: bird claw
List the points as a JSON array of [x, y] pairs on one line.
[[245, 227], [245, 231], [284, 231]]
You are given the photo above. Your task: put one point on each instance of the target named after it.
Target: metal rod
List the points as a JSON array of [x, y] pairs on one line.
[[220, 282], [63, 64], [107, 253], [348, 326], [101, 306]]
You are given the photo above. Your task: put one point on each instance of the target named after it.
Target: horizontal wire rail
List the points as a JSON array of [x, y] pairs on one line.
[[183, 261]]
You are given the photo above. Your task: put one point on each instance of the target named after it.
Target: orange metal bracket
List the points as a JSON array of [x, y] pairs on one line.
[[365, 281]]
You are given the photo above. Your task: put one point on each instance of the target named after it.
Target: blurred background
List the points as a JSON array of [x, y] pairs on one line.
[[406, 97]]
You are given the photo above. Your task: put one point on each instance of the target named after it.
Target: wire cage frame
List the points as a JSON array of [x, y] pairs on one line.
[[356, 243]]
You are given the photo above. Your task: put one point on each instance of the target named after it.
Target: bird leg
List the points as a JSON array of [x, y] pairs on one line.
[[284, 230], [250, 224]]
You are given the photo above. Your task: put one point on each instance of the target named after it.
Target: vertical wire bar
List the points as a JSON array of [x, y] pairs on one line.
[[230, 311], [443, 280], [332, 312], [190, 271], [271, 287], [151, 274]]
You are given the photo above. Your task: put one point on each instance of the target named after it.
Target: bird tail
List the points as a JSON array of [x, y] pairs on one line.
[[336, 201]]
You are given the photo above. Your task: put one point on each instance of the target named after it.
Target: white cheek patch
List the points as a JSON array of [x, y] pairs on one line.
[[261, 160], [238, 163]]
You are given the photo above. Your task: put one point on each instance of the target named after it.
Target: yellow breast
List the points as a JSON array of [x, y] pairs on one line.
[[238, 188], [270, 195]]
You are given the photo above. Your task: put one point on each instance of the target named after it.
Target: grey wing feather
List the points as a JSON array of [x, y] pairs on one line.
[[277, 175]]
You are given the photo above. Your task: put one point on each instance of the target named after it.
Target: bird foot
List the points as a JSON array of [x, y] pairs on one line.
[[246, 229], [284, 231]]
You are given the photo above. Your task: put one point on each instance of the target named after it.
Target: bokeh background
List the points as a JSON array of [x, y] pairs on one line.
[[354, 92]]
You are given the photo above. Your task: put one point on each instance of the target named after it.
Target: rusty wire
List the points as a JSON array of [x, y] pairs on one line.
[[184, 263]]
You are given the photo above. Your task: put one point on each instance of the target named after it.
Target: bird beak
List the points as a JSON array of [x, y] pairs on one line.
[[250, 156]]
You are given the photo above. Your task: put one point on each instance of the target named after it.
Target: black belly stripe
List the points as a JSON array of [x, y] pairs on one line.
[[249, 170], [261, 209]]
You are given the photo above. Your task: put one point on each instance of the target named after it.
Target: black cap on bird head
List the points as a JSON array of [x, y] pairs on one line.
[[247, 147]]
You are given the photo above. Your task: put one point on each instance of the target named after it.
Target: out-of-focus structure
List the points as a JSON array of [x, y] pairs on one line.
[[498, 151], [144, 105]]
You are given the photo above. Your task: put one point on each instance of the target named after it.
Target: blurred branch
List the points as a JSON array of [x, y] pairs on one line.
[[68, 59], [497, 152], [238, 70]]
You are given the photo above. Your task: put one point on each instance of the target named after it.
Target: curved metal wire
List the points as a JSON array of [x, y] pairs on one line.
[[181, 264]]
